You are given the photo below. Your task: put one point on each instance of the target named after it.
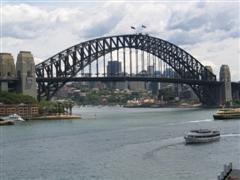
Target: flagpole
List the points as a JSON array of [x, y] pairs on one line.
[[143, 27], [134, 29]]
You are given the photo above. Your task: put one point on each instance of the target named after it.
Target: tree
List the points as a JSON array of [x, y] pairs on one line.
[[70, 105], [167, 93], [14, 98]]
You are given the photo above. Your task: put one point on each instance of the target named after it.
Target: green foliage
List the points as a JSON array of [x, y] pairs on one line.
[[113, 99], [104, 97], [47, 107], [167, 93], [55, 107], [236, 102], [228, 104], [93, 98], [14, 98]]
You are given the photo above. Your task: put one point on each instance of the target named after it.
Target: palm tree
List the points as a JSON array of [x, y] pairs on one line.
[[70, 106]]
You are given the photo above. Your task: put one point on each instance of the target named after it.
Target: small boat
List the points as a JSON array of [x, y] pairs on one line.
[[227, 113], [201, 136], [12, 117]]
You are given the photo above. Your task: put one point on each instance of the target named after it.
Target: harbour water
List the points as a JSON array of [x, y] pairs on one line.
[[118, 143]]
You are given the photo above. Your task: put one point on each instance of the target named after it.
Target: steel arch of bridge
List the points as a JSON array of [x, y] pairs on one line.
[[54, 72]]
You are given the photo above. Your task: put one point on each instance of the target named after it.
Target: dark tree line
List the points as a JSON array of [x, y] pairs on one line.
[[14, 98]]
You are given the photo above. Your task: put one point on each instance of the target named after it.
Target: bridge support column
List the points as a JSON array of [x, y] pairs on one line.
[[226, 88]]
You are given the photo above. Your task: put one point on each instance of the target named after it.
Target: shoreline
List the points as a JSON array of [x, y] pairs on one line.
[[145, 106], [6, 123], [56, 117], [157, 106]]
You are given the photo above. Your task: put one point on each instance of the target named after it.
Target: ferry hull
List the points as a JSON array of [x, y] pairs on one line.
[[219, 117], [229, 113], [192, 140]]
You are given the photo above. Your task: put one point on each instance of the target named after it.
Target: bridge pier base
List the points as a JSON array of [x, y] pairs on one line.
[[211, 96]]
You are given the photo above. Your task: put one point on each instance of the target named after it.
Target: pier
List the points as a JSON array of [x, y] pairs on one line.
[[229, 173]]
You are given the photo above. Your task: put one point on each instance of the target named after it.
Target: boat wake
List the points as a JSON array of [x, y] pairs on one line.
[[194, 121], [230, 135], [197, 121], [89, 117], [165, 143]]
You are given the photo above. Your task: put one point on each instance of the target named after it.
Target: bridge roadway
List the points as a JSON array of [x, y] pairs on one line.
[[129, 78], [126, 78]]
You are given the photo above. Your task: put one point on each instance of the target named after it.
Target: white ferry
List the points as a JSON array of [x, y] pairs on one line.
[[201, 136], [12, 117]]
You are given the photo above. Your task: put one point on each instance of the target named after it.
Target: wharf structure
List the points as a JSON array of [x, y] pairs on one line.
[[229, 173]]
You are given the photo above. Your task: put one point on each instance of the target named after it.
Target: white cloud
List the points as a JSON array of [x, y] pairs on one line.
[[216, 53], [208, 31]]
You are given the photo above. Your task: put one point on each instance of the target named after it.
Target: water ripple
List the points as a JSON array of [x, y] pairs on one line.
[[194, 121]]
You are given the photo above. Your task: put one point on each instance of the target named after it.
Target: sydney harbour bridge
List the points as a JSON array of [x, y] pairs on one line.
[[141, 57]]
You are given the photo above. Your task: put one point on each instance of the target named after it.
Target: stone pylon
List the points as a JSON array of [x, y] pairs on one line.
[[26, 72], [226, 89], [7, 66], [7, 70]]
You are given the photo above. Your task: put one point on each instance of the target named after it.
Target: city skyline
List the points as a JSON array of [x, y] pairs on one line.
[[208, 31]]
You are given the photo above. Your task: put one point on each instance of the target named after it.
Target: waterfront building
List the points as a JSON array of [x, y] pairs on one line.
[[114, 68], [122, 85], [26, 111], [137, 86], [152, 86], [150, 70]]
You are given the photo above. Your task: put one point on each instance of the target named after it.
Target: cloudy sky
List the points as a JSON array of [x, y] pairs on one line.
[[210, 31]]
